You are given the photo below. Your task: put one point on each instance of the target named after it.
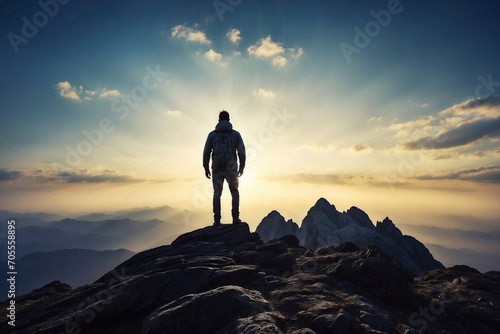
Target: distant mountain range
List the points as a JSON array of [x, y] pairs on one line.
[[78, 251], [136, 229], [325, 226], [76, 267]]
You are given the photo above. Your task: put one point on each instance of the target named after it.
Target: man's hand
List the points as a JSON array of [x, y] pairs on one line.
[[207, 173], [240, 172]]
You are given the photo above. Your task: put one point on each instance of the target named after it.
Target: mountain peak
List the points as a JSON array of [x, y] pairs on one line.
[[274, 226], [322, 203], [387, 226], [325, 226]]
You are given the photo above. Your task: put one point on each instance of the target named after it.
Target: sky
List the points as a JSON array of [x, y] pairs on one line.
[[390, 106]]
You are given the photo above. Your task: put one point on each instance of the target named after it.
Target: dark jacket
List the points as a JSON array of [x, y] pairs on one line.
[[236, 141]]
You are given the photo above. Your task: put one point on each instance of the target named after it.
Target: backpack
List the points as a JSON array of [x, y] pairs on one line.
[[222, 149]]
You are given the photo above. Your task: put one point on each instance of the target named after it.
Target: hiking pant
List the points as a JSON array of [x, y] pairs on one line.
[[231, 177]]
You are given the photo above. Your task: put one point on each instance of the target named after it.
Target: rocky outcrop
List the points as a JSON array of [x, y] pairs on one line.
[[274, 226], [227, 280], [324, 225]]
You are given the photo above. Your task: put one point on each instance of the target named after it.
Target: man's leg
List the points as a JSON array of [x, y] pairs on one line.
[[218, 182], [235, 196]]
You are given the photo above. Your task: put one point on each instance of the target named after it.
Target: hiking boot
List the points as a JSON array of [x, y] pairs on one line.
[[216, 220]]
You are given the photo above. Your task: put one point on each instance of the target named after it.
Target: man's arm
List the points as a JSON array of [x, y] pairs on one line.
[[241, 155], [206, 155]]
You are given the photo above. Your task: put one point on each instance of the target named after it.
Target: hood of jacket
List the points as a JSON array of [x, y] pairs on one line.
[[224, 126]]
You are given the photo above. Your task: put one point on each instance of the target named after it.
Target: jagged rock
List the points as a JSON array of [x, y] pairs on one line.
[[338, 323], [282, 262], [381, 275], [325, 226], [257, 324], [276, 246], [207, 311], [291, 240], [237, 274], [274, 226]]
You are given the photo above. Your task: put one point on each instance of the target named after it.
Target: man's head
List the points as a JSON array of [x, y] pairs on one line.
[[223, 116]]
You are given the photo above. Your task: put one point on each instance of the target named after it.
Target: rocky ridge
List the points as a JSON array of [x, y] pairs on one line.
[[325, 226], [227, 280]]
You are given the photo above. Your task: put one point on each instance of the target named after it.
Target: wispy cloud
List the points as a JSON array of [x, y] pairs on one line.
[[361, 148], [68, 176], [85, 176], [9, 175], [114, 93], [69, 92], [77, 93], [485, 174], [214, 57], [462, 135], [174, 113], [190, 34], [266, 48], [265, 93], [234, 35], [459, 125]]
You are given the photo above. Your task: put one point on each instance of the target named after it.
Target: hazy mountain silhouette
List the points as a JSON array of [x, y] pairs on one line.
[[479, 260], [36, 239], [227, 280], [73, 266]]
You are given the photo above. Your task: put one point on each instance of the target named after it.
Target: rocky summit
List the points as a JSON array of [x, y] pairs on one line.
[[227, 280], [325, 226]]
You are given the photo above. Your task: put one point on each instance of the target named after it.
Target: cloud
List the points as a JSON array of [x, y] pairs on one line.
[[77, 93], [84, 176], [213, 56], [190, 34], [265, 93], [485, 174], [174, 113], [361, 148], [459, 125], [234, 35], [10, 175], [266, 48], [462, 135], [280, 61], [51, 175], [69, 92], [296, 53], [114, 93]]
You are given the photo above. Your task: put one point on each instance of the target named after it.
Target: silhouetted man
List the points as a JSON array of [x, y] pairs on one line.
[[225, 145]]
